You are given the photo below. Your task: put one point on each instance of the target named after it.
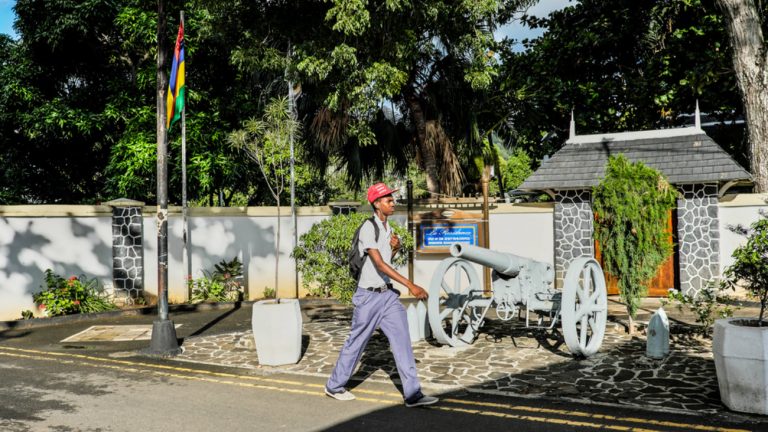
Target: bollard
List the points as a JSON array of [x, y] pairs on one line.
[[421, 312], [418, 326], [413, 323], [657, 346]]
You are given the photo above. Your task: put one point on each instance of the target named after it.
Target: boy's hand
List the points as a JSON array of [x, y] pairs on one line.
[[418, 292], [394, 242]]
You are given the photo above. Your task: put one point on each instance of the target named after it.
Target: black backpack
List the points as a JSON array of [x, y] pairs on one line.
[[353, 256]]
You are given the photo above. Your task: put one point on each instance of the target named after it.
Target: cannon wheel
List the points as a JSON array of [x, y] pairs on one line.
[[584, 307], [449, 318]]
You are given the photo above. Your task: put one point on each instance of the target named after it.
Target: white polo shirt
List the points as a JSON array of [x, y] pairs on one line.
[[370, 277]]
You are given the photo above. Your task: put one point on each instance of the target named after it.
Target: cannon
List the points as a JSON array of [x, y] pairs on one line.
[[458, 305]]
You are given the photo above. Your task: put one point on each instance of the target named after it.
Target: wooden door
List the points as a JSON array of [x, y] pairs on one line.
[[665, 278]]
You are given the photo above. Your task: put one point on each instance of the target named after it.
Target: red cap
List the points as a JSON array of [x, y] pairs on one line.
[[377, 191]]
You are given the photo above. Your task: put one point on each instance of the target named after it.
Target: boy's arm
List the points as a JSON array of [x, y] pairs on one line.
[[378, 261]]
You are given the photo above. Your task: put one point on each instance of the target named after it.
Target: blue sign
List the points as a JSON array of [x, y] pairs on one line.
[[444, 235]]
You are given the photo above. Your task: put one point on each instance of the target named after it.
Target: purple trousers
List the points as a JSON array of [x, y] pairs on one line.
[[374, 310]]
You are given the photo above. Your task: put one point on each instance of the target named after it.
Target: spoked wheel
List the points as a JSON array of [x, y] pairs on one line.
[[584, 307], [450, 317]]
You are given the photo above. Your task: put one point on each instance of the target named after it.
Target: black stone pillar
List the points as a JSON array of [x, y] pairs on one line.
[[127, 248]]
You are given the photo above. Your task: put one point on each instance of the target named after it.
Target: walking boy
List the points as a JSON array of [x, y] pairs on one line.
[[377, 305]]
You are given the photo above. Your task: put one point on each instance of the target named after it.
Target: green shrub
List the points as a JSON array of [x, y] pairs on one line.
[[224, 283], [709, 305], [750, 265], [321, 255], [516, 169], [70, 296], [632, 205]]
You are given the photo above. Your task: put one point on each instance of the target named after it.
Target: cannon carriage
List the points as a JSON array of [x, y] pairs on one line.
[[458, 306]]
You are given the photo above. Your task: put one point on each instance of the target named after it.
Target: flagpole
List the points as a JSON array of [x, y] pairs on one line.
[[292, 109], [185, 249]]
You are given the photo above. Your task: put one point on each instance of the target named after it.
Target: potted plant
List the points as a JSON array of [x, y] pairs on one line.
[[276, 323], [740, 346]]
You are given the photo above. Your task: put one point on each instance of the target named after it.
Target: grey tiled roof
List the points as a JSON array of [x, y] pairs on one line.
[[683, 155]]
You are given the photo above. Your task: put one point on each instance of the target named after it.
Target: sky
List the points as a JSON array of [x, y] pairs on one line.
[[515, 30], [7, 16]]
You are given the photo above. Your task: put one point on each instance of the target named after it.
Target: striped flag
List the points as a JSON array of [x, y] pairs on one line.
[[176, 87]]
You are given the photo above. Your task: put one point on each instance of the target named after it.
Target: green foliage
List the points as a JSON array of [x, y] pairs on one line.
[[78, 97], [516, 169], [78, 90], [133, 162], [621, 65], [709, 305], [384, 70], [321, 255], [632, 205], [69, 296], [230, 272], [224, 283], [27, 314], [268, 293], [750, 265], [267, 142]]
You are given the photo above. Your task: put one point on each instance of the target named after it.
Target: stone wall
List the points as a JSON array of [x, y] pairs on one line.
[[698, 236], [74, 240], [573, 229], [127, 251]]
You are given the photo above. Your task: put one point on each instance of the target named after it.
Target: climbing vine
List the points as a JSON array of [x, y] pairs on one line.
[[632, 205]]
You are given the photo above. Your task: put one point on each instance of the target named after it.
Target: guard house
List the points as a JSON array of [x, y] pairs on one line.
[[697, 166]]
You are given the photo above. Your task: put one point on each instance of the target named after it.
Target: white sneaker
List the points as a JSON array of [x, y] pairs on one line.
[[422, 401], [342, 395]]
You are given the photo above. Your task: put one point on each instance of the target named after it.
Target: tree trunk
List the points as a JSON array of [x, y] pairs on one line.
[[277, 248], [749, 63], [427, 154], [631, 325]]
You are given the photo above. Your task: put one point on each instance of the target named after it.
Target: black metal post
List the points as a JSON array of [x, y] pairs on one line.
[[410, 227], [164, 340], [486, 223]]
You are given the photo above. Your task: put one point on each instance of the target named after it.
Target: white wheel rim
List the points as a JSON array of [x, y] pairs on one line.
[[584, 308], [451, 283]]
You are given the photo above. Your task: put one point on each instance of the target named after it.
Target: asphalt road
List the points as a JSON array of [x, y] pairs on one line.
[[50, 385], [74, 391]]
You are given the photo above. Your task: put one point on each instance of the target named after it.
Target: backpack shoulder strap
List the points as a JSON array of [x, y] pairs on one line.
[[375, 227]]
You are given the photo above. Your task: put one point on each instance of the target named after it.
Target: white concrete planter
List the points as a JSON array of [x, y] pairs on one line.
[[740, 360], [277, 331]]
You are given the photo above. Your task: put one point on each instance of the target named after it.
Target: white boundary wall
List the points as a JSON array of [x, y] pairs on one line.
[[68, 239], [742, 209], [74, 240]]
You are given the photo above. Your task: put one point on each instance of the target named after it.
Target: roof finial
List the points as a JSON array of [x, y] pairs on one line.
[[698, 115], [572, 132]]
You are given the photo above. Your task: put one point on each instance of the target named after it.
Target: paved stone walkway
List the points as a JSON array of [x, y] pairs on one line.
[[504, 360]]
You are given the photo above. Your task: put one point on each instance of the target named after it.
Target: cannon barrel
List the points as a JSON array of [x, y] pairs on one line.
[[504, 263]]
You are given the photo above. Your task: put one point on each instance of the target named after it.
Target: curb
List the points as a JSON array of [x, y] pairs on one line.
[[147, 310]]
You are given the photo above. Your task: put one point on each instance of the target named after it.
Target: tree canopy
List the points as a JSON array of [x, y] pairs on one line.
[[384, 87], [619, 66]]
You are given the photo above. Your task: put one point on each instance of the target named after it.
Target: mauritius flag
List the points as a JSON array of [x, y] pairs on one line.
[[176, 88]]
